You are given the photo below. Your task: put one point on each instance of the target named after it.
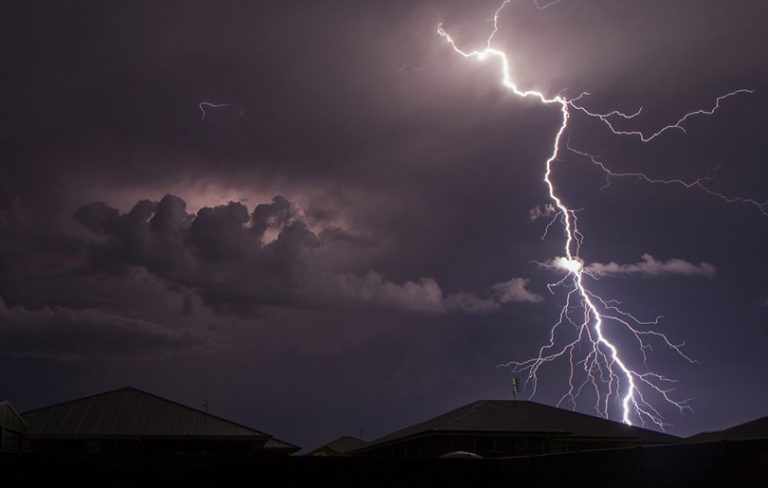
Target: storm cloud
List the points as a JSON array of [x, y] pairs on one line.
[[651, 267], [62, 333], [224, 255], [396, 268]]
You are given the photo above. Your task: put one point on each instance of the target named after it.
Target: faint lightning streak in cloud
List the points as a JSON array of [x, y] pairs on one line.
[[205, 106]]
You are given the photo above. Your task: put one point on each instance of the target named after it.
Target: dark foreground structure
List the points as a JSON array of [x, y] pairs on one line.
[[129, 437], [130, 420], [730, 464], [342, 446], [754, 429], [12, 428], [504, 428]]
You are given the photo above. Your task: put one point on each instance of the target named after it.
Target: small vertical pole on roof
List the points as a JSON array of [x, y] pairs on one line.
[[515, 387]]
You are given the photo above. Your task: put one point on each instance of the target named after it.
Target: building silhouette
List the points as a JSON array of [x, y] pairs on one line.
[[504, 428], [131, 420], [338, 447], [754, 429], [129, 437], [12, 428]]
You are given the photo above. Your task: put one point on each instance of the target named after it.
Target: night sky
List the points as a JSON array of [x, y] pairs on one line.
[[349, 244]]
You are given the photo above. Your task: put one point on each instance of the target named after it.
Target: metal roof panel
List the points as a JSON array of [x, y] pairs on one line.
[[132, 412], [516, 416]]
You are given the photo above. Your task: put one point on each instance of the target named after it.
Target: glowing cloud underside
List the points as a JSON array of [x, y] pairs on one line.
[[580, 335]]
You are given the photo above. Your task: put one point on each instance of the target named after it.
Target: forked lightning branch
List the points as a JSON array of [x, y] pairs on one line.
[[596, 360]]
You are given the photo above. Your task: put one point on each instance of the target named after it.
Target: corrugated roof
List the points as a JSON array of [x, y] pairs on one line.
[[754, 429], [342, 445], [10, 419], [274, 443], [516, 416], [346, 444], [132, 412]]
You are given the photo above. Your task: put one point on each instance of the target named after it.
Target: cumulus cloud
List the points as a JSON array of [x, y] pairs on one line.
[[64, 333], [240, 262], [511, 291], [425, 295], [515, 290], [651, 267], [470, 303], [541, 211]]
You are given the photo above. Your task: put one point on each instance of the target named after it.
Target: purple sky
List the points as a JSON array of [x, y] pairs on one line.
[[348, 244]]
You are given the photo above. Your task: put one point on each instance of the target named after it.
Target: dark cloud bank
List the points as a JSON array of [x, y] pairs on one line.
[[222, 254], [67, 334], [398, 268]]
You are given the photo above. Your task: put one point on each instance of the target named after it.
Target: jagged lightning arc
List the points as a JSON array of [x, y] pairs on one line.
[[605, 368], [205, 106]]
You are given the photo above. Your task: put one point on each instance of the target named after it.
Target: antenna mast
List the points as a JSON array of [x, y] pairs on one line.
[[515, 387]]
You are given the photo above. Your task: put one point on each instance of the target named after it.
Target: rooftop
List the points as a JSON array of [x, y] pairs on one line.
[[754, 429], [10, 419], [132, 412], [518, 416], [342, 445]]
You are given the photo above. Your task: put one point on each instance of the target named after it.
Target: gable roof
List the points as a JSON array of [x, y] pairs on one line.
[[342, 445], [132, 412], [10, 418], [754, 429], [525, 417]]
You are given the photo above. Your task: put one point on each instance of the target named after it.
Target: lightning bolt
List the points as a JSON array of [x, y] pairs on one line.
[[405, 67], [701, 183], [205, 106], [585, 316]]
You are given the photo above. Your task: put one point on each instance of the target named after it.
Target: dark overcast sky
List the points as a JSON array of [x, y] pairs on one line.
[[321, 255]]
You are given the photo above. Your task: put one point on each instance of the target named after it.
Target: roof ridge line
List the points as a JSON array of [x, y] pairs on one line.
[[87, 397], [727, 429], [166, 400], [582, 414], [10, 406], [472, 410]]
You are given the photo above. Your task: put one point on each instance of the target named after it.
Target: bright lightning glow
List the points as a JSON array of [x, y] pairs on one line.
[[569, 265], [591, 317]]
